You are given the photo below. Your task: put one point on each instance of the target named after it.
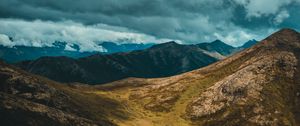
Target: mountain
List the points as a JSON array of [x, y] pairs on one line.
[[127, 47], [219, 47], [158, 61], [248, 44], [259, 86], [21, 53]]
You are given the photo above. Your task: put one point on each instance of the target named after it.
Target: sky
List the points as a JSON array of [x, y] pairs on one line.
[[89, 22]]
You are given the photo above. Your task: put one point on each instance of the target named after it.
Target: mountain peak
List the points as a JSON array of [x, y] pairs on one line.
[[217, 46], [166, 44], [287, 30], [218, 41], [283, 37], [171, 43]]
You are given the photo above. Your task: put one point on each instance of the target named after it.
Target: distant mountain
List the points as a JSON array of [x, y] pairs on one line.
[[249, 44], [219, 47], [114, 48], [21, 53], [158, 61]]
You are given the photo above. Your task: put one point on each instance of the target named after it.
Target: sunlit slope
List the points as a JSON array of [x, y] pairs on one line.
[[258, 86]]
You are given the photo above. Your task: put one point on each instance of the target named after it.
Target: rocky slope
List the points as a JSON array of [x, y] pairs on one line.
[[158, 61]]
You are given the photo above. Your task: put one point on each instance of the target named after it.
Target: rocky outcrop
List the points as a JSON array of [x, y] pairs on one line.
[[244, 90]]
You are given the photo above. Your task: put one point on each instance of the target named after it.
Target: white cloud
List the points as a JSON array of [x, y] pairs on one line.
[[258, 8], [43, 33], [281, 17], [5, 41], [235, 38], [69, 48]]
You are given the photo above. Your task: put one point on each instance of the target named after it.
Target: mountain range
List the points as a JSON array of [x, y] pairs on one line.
[[257, 86], [160, 60], [112, 47], [21, 53], [220, 47]]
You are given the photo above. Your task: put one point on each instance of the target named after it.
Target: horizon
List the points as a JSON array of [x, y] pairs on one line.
[[52, 44]]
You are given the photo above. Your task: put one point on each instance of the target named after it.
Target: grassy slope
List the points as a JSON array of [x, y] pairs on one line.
[[143, 116]]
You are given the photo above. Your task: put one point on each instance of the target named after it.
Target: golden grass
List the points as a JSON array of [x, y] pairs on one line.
[[176, 117]]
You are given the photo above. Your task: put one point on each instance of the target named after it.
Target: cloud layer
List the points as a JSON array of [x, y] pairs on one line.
[[40, 33], [190, 21]]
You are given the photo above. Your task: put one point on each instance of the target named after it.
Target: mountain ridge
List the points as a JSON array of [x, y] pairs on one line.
[[157, 61], [249, 43], [21, 53]]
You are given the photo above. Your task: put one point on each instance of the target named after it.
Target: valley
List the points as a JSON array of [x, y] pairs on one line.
[[257, 86]]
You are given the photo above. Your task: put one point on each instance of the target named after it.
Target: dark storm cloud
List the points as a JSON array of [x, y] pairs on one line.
[[190, 21]]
